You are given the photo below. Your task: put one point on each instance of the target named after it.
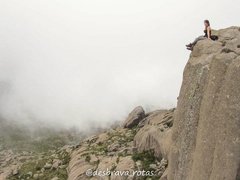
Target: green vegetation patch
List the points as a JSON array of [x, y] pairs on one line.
[[36, 166], [146, 157]]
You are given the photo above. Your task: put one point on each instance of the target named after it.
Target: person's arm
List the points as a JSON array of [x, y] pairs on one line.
[[208, 32]]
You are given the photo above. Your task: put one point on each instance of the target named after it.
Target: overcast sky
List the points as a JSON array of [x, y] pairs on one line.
[[79, 61]]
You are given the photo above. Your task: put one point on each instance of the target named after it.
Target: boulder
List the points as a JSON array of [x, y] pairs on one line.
[[35, 176], [134, 118], [47, 166], [30, 174], [56, 163], [152, 138], [55, 178], [15, 172], [154, 135]]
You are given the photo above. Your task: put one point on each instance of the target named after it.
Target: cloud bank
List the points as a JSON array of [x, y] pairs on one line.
[[77, 63]]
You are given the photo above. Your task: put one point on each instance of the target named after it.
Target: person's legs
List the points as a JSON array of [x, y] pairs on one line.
[[191, 45], [198, 39]]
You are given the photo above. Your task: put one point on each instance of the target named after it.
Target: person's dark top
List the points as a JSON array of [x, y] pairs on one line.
[[206, 34]]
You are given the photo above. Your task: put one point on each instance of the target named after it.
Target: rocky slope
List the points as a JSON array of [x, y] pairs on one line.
[[142, 144], [49, 165], [26, 154]]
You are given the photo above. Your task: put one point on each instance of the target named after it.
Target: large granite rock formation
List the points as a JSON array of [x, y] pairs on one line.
[[206, 130]]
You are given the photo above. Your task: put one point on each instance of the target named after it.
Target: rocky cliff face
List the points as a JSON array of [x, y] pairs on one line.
[[206, 130]]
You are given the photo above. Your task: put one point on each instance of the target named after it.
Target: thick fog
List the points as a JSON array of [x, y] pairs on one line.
[[82, 62]]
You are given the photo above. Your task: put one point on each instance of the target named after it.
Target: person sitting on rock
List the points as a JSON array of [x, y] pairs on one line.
[[207, 35]]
